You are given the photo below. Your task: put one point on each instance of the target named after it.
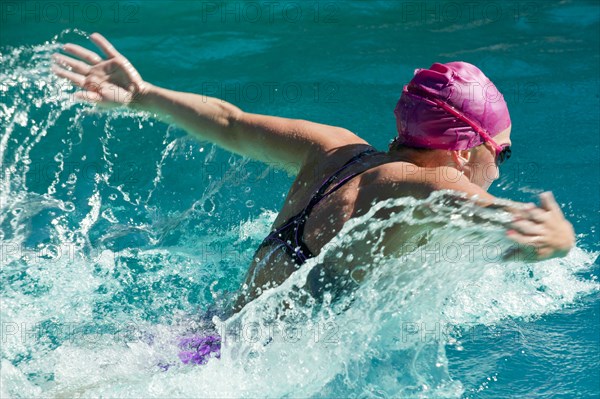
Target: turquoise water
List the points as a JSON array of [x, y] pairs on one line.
[[118, 231]]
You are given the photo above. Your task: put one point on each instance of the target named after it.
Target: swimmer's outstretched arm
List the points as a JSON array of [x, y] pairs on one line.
[[541, 232], [113, 81]]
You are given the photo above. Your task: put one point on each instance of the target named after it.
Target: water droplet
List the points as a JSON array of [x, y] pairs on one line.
[[49, 252], [72, 179], [209, 206], [108, 215], [67, 206]]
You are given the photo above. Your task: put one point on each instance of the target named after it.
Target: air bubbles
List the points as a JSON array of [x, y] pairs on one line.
[[247, 189], [249, 204], [112, 197], [59, 157]]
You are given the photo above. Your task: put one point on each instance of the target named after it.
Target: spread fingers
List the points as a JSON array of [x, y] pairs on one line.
[[76, 78], [77, 66], [82, 53]]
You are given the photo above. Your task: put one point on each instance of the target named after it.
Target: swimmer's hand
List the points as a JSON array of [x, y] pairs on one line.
[[109, 82], [542, 231]]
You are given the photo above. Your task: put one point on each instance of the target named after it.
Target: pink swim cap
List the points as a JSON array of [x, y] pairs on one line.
[[423, 123]]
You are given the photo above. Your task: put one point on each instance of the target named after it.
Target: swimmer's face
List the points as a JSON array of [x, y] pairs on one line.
[[481, 167]]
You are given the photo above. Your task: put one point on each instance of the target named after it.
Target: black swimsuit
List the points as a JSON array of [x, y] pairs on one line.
[[289, 235]]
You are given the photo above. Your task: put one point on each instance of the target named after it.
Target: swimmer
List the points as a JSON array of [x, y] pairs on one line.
[[450, 137]]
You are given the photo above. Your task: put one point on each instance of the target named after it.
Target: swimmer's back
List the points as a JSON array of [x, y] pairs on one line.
[[381, 178]]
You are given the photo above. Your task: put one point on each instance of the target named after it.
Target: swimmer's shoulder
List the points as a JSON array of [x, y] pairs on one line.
[[457, 181], [395, 179]]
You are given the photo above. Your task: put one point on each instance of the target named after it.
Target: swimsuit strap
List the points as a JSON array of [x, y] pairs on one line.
[[322, 192], [299, 248]]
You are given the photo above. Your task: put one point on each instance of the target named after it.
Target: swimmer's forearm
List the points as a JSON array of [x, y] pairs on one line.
[[206, 118], [281, 142]]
